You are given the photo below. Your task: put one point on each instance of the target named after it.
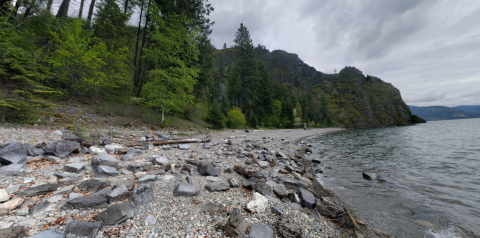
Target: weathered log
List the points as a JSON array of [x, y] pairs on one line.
[[167, 142]]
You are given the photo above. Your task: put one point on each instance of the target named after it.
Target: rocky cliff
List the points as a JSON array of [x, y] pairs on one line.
[[355, 100]]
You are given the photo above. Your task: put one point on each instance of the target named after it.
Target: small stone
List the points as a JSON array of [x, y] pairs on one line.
[[148, 178], [14, 153], [186, 190], [37, 190], [41, 208], [236, 225], [106, 171], [24, 211], [3, 195], [369, 176], [307, 198], [214, 208], [263, 164], [64, 190], [183, 147], [92, 185], [249, 184], [84, 202], [277, 211], [160, 160], [233, 182], [263, 189], [286, 228], [209, 170], [150, 221], [129, 183], [296, 206], [50, 233]]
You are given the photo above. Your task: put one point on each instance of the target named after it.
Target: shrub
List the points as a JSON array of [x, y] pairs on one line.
[[236, 118], [216, 117]]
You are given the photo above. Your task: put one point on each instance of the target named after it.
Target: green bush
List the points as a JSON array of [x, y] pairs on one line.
[[216, 117], [236, 118]]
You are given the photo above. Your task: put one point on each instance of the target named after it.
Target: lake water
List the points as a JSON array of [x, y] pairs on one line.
[[426, 172]]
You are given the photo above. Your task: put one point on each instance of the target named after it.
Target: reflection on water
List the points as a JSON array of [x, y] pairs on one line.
[[429, 175]]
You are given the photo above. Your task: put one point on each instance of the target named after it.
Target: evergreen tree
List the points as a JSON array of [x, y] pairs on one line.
[[245, 62], [216, 117]]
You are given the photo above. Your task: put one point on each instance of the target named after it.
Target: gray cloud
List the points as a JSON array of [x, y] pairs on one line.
[[427, 49]]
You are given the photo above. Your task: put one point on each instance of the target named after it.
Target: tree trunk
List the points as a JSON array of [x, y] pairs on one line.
[[29, 9], [80, 13], [17, 6], [90, 12], [49, 5], [126, 7], [142, 80], [4, 114], [136, 47], [63, 10]]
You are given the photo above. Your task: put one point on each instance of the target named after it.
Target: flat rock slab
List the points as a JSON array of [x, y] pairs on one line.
[[261, 231], [142, 195], [4, 195], [263, 164], [10, 205], [264, 189], [13, 232], [160, 160], [87, 202], [106, 171], [129, 183], [41, 207], [185, 190], [117, 213], [92, 185], [80, 228], [50, 233], [61, 148], [221, 185], [37, 190], [277, 211], [13, 170], [14, 153], [74, 168]]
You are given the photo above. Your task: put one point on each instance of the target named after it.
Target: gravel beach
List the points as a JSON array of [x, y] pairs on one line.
[[255, 183]]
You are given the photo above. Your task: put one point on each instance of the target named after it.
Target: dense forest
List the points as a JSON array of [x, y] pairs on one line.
[[164, 63]]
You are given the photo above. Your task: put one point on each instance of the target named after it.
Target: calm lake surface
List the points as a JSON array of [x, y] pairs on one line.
[[426, 172]]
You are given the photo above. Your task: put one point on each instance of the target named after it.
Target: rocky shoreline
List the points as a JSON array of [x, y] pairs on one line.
[[234, 183]]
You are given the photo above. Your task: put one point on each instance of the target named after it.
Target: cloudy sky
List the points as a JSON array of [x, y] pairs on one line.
[[429, 50]]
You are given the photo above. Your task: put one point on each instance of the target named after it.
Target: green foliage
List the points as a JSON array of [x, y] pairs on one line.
[[216, 117], [252, 121], [173, 49], [236, 118], [85, 63]]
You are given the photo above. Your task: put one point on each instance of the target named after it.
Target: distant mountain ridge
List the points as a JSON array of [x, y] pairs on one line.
[[355, 100], [469, 108], [436, 113]]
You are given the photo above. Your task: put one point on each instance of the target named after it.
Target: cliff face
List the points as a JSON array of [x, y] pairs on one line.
[[355, 100]]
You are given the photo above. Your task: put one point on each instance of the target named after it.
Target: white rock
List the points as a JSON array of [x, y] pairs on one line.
[[4, 224], [113, 146], [58, 132], [258, 204], [94, 150], [55, 199], [3, 195]]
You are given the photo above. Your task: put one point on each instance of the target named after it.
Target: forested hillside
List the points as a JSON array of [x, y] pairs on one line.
[[436, 113], [166, 64]]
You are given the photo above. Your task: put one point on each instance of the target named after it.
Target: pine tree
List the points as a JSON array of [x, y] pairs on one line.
[[216, 117]]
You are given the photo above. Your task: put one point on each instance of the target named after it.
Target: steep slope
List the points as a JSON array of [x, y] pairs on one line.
[[355, 100], [435, 113]]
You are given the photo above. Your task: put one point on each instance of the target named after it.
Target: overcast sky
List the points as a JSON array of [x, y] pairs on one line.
[[429, 50]]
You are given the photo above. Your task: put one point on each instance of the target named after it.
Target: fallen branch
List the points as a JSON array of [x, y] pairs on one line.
[[351, 218], [168, 142]]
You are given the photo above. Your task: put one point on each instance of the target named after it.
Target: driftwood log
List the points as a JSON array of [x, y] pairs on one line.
[[168, 142]]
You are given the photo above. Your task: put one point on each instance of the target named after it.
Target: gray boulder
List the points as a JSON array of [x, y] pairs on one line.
[[186, 190], [261, 231], [221, 185], [40, 207], [117, 213], [81, 229], [34, 151], [280, 191], [209, 170], [104, 159], [14, 153], [264, 189], [37, 190], [236, 225], [142, 195], [61, 148], [307, 198], [329, 206], [249, 185]]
